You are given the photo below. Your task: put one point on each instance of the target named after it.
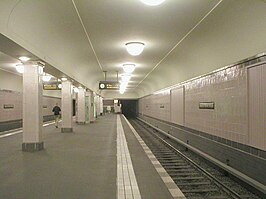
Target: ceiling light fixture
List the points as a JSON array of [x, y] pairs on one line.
[[76, 90], [63, 78], [60, 86], [135, 48], [152, 2], [24, 58], [125, 78], [129, 68], [46, 77], [20, 68]]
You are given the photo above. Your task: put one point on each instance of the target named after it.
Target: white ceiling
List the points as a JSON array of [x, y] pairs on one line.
[[82, 38]]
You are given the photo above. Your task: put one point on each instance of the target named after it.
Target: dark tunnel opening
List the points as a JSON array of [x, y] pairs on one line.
[[129, 108]]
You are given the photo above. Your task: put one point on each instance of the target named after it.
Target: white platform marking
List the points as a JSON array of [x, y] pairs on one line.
[[17, 131], [127, 186], [175, 192]]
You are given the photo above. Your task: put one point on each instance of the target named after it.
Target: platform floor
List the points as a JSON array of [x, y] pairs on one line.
[[78, 165]]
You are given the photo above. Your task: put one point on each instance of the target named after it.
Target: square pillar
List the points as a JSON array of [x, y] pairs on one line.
[[81, 107], [101, 106], [92, 107], [87, 106], [32, 109], [67, 107]]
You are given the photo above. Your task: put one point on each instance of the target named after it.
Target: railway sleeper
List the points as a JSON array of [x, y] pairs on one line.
[[197, 183], [188, 178], [176, 166], [180, 169], [200, 190], [182, 174]]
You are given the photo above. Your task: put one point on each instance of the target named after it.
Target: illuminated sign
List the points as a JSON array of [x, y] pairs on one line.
[[105, 85], [51, 86]]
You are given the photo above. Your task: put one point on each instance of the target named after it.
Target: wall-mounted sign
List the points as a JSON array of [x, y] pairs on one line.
[[51, 86], [161, 106], [8, 106], [108, 85], [44, 106], [206, 105]]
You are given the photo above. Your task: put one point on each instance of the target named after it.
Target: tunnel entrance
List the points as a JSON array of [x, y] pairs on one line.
[[129, 108]]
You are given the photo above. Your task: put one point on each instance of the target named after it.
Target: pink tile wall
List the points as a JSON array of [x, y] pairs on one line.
[[228, 90], [157, 106], [257, 106], [12, 98], [15, 98]]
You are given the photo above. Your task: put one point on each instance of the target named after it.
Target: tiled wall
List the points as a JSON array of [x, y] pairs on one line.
[[228, 89], [157, 106], [15, 98], [10, 98], [257, 105]]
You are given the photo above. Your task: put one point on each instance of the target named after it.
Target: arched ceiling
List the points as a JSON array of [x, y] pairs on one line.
[[183, 38]]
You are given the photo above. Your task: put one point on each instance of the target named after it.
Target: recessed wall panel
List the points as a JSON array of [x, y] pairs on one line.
[[257, 106], [177, 106]]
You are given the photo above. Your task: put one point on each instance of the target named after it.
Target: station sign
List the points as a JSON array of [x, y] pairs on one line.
[[206, 105], [51, 86], [108, 85]]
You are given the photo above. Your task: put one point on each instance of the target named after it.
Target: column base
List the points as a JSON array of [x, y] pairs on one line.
[[66, 130], [81, 122], [32, 147]]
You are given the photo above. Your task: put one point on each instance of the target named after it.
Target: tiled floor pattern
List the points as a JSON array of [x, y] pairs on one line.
[[173, 189], [127, 187]]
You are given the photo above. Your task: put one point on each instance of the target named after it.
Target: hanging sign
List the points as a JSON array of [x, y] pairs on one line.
[[108, 85], [51, 86]]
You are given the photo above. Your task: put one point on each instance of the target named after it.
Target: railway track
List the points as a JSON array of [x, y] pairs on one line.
[[194, 176]]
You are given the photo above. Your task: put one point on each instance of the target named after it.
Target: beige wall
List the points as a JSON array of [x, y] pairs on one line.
[[228, 89], [10, 81], [15, 98], [257, 105], [234, 31]]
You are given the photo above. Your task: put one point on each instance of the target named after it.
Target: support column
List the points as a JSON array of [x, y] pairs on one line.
[[81, 107], [32, 109], [88, 107], [67, 108], [92, 107], [101, 106]]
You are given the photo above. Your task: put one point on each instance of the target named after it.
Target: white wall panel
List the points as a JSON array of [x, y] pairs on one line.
[[177, 106], [257, 106]]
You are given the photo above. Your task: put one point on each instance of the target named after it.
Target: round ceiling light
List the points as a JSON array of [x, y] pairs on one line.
[[129, 68], [46, 78], [76, 90], [135, 48], [126, 78], [60, 86], [152, 2], [20, 68], [24, 58]]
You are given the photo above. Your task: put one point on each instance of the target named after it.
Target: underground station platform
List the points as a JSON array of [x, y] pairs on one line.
[[105, 159]]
